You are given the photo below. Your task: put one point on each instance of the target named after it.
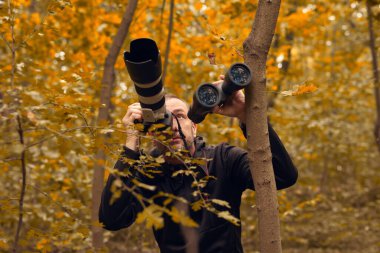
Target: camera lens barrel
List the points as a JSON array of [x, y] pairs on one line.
[[145, 69]]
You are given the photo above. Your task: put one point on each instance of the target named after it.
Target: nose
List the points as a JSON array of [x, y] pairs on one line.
[[174, 124]]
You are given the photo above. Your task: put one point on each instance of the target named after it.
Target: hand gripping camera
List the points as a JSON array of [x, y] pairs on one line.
[[144, 67], [208, 95]]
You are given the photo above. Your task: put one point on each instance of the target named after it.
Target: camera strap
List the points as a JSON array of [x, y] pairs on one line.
[[183, 137]]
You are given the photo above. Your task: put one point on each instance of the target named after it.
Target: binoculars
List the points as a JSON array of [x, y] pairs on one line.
[[144, 66], [208, 95]]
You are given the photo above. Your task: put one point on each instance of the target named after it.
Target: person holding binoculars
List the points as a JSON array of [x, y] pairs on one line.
[[228, 164]]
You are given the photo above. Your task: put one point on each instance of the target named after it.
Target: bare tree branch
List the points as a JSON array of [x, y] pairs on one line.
[[23, 186], [168, 40]]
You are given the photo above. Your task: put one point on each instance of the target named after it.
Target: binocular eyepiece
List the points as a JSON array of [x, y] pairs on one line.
[[208, 95], [145, 69]]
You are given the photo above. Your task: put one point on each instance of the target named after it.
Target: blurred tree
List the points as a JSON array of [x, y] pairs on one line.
[[375, 67], [104, 116]]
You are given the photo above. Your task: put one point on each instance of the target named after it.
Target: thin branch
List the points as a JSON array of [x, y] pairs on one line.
[[61, 206], [372, 45], [35, 29], [168, 40], [66, 131], [162, 10], [85, 121], [13, 43], [6, 42], [20, 132], [23, 186], [9, 159], [66, 137]]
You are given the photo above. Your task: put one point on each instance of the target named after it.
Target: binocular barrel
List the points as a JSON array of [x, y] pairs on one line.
[[145, 69], [208, 95]]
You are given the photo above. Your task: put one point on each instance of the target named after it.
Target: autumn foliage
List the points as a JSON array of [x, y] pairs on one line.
[[321, 103]]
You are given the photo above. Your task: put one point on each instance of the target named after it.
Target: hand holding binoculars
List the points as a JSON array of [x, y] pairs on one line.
[[208, 96]]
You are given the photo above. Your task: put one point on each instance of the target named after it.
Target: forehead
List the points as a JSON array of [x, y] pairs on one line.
[[175, 104]]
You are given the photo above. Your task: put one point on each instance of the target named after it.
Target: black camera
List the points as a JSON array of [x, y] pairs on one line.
[[145, 69], [208, 95]]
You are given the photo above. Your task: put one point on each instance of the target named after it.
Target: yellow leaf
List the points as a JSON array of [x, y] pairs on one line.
[[4, 245], [142, 185], [97, 224], [167, 201], [197, 205], [198, 6], [302, 89], [139, 127], [229, 217], [41, 243], [160, 159], [152, 215], [154, 127], [182, 218], [287, 93], [54, 196], [83, 230], [59, 215], [106, 131], [221, 202]]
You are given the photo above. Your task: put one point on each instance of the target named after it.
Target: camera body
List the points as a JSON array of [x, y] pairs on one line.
[[208, 95], [144, 66]]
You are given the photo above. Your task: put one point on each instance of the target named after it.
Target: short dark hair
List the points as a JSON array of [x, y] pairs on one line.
[[171, 95]]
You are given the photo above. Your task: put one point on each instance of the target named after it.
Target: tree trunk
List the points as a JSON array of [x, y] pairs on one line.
[[105, 104], [375, 68], [256, 48]]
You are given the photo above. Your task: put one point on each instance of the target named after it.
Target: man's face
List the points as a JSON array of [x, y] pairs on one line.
[[180, 109]]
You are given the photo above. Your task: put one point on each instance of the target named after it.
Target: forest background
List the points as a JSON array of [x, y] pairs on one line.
[[321, 102]]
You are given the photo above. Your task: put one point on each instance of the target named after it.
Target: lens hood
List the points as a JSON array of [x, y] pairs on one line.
[[143, 61]]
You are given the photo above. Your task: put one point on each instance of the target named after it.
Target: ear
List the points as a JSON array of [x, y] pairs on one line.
[[194, 127]]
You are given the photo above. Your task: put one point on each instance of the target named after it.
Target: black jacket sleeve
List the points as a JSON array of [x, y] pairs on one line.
[[122, 213], [285, 172]]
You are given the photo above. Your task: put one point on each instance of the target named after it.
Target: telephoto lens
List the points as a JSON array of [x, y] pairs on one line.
[[144, 67], [208, 95]]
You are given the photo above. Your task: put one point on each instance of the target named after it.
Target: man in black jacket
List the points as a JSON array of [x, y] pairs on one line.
[[228, 164]]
